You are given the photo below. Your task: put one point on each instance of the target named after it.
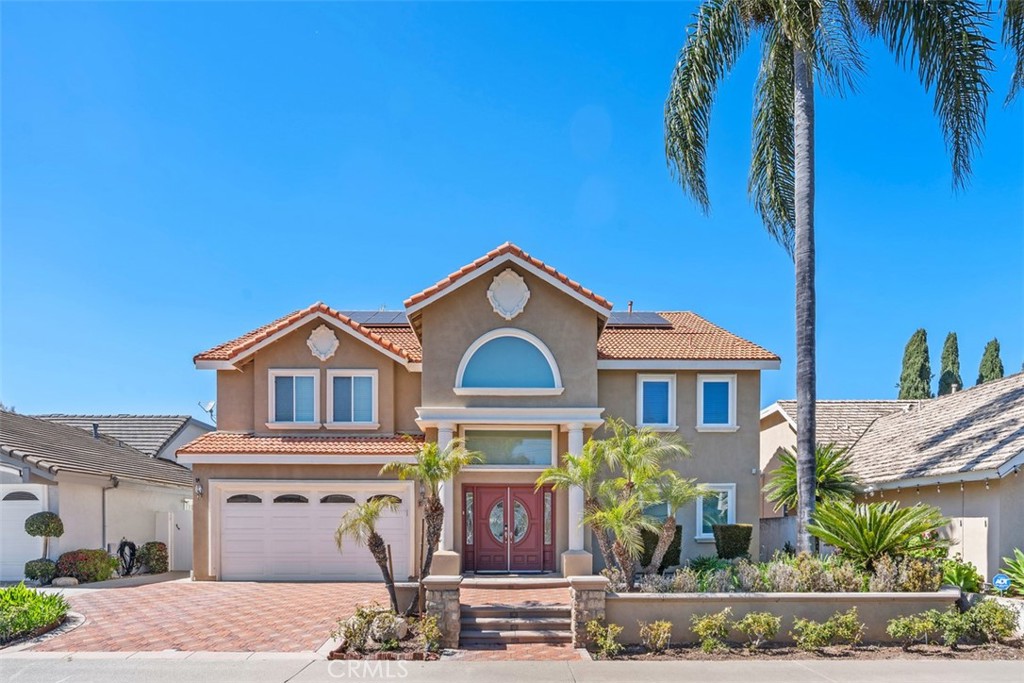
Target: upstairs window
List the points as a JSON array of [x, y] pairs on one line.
[[716, 402], [352, 397], [508, 362], [656, 401], [293, 397]]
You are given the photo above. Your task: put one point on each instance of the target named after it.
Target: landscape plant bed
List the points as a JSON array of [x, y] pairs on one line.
[[408, 654], [34, 633], [986, 651]]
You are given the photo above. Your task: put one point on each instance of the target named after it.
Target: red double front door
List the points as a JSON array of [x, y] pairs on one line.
[[508, 528]]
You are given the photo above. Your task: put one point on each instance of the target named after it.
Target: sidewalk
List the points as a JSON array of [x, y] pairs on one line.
[[299, 668]]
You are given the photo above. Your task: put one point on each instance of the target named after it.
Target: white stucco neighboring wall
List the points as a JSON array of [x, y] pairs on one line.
[[132, 512], [191, 432], [80, 507]]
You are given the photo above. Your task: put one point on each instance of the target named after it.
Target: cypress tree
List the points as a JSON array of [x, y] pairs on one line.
[[916, 378], [950, 374], [991, 365]]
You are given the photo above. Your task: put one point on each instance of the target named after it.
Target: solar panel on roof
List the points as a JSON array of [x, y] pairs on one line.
[[378, 318], [637, 319]]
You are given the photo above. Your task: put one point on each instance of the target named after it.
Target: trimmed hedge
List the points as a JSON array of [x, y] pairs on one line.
[[46, 524], [732, 540], [671, 555], [154, 556], [42, 570], [87, 565]]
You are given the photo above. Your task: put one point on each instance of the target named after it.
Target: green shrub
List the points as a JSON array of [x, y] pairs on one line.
[[41, 570], [650, 539], [812, 574], [712, 629], [991, 621], [604, 638], [842, 628], [430, 631], [154, 556], [23, 610], [759, 627], [87, 565], [847, 628], [355, 631], [952, 624], [656, 636], [919, 575], [956, 572], [45, 524], [707, 563], [916, 628], [748, 577], [732, 540], [1014, 568], [810, 634]]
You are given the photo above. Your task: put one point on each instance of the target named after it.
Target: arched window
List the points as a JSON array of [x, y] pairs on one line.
[[244, 498], [291, 498], [337, 498], [20, 495], [508, 361]]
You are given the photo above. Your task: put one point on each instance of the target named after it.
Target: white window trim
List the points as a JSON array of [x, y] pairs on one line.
[[730, 517], [460, 390], [553, 430], [731, 426], [671, 426], [272, 375], [374, 422]]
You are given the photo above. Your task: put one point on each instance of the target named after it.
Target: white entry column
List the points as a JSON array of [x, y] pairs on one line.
[[576, 501], [445, 432]]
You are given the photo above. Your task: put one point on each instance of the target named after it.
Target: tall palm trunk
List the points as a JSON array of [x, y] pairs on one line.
[[626, 563], [665, 536], [603, 543], [379, 551], [803, 204], [433, 518]]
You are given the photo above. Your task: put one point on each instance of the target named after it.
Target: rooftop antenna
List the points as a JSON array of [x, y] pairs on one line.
[[208, 408]]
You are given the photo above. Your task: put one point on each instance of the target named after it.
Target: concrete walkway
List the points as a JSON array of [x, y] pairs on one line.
[[223, 667]]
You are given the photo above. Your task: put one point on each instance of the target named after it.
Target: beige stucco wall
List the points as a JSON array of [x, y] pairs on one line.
[[776, 433], [718, 457], [243, 401], [201, 505], [566, 326], [874, 609]]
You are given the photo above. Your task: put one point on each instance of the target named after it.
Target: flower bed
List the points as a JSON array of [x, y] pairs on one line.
[[25, 612]]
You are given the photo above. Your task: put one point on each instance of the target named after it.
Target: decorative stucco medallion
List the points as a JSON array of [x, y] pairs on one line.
[[322, 342], [508, 294]]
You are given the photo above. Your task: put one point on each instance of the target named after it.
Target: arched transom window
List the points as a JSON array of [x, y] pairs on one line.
[[510, 362]]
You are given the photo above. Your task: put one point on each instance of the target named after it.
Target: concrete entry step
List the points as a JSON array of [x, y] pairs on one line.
[[474, 623], [513, 582], [516, 611], [515, 623], [480, 637]]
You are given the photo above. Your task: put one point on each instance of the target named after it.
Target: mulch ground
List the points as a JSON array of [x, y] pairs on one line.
[[988, 651]]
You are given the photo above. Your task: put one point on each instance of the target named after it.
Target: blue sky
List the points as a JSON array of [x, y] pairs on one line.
[[175, 174]]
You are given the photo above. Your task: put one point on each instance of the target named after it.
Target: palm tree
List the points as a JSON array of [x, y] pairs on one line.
[[625, 520], [585, 471], [432, 467], [834, 480], [804, 42], [674, 492], [639, 453], [1013, 38], [361, 524]]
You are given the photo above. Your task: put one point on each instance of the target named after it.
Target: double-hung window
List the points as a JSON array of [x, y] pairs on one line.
[[717, 506], [716, 403], [656, 401], [293, 398], [352, 399]]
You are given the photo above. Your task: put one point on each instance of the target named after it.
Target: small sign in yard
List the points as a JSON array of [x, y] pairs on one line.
[[1001, 582]]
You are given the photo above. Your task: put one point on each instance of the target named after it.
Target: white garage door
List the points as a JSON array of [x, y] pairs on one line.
[[17, 502], [286, 533]]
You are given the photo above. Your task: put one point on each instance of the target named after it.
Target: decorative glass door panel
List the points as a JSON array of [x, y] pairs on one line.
[[508, 528]]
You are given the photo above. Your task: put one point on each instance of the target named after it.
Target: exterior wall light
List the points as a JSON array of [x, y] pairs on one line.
[[199, 488]]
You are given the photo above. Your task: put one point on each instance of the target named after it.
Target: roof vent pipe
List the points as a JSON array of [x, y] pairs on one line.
[[95, 430], [629, 307], [954, 387]]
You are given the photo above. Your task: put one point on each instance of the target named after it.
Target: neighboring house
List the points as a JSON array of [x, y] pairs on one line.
[[103, 490], [159, 436], [838, 422], [508, 353], [963, 453]]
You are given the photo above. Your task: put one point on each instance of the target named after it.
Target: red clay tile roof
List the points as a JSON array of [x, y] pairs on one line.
[[402, 337], [218, 443], [691, 337], [230, 350], [507, 248]]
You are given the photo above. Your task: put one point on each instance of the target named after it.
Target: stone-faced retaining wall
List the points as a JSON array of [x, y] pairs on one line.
[[874, 609], [587, 602], [443, 603]]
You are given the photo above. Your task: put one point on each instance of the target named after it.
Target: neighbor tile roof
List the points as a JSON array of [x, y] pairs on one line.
[[230, 350], [507, 248], [981, 428], [57, 448], [843, 422], [224, 443], [691, 337], [146, 433]]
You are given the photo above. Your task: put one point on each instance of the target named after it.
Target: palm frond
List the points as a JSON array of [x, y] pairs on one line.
[[947, 43], [837, 55], [866, 532], [713, 44], [835, 479], [434, 465], [360, 522], [1013, 38]]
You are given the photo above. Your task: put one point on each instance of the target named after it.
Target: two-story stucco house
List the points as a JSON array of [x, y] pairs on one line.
[[522, 362]]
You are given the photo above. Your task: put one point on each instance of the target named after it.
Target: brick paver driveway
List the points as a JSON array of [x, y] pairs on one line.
[[212, 616]]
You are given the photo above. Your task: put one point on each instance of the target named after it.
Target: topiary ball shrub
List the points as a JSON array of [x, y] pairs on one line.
[[87, 565], [154, 556], [42, 570], [732, 540], [44, 524]]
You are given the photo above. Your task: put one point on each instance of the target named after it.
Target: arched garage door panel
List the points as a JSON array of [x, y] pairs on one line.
[[17, 502], [294, 541]]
